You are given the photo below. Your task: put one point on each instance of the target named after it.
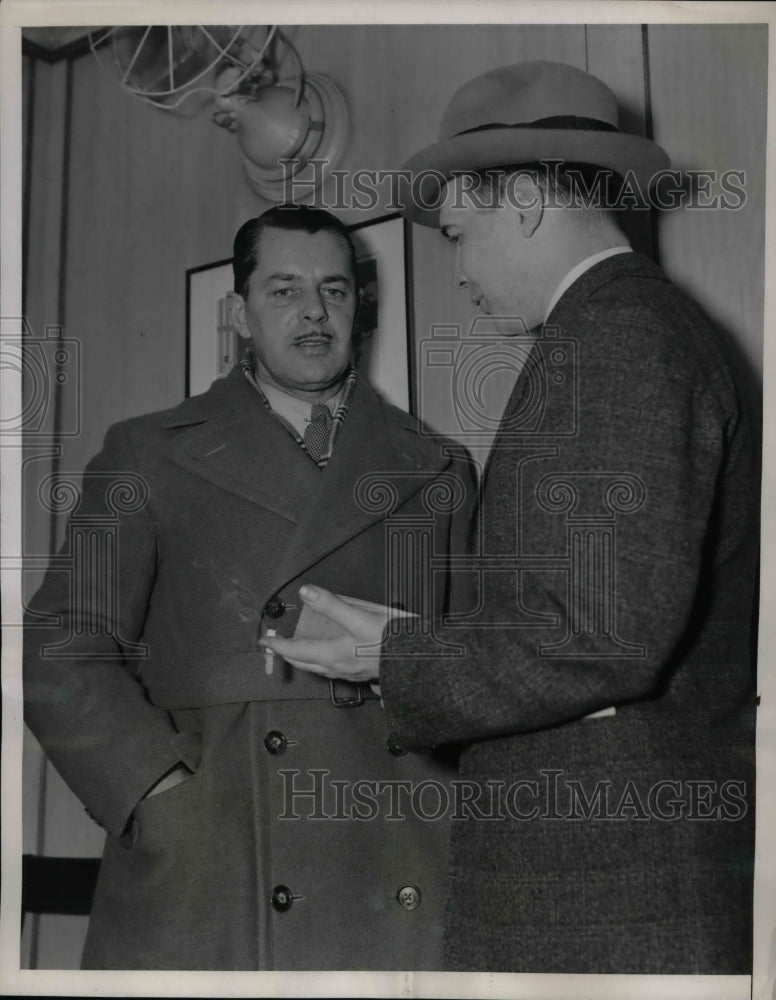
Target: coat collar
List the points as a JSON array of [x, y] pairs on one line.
[[233, 392], [561, 316], [620, 265], [227, 436]]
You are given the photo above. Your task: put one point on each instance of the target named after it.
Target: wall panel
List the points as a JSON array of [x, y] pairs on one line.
[[42, 249], [709, 88], [44, 109], [615, 54]]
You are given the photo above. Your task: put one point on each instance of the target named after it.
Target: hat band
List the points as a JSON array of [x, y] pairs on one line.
[[556, 121]]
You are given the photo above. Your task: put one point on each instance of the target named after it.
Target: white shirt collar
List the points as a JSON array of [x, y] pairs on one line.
[[295, 411], [579, 270]]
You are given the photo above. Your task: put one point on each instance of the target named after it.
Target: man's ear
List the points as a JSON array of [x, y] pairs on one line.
[[527, 201], [237, 313]]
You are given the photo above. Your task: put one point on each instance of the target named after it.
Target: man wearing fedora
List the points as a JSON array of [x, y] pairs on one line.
[[602, 692]]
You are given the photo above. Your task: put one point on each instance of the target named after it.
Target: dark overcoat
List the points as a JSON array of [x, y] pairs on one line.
[[618, 549], [194, 530]]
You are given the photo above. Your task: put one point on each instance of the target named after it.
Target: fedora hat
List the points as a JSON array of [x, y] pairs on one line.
[[522, 114]]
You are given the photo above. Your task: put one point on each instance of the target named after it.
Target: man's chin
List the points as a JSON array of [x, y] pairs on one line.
[[510, 326], [489, 324]]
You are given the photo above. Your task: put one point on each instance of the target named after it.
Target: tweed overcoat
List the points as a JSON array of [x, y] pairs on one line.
[[259, 860], [618, 547]]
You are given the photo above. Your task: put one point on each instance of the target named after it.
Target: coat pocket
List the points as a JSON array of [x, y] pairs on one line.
[[166, 812]]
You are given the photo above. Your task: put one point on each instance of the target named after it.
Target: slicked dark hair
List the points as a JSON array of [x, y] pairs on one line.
[[301, 218]]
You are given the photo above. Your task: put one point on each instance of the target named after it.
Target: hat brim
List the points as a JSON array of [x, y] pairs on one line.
[[421, 193]]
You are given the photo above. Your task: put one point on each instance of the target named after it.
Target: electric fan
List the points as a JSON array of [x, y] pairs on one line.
[[289, 129]]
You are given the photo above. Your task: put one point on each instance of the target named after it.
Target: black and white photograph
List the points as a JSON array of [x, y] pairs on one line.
[[386, 469]]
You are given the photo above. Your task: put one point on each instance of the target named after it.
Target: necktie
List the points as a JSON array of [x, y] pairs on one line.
[[318, 431]]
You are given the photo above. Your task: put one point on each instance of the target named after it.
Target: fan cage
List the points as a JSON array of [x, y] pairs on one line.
[[158, 63]]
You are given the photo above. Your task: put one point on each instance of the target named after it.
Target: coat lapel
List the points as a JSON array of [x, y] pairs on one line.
[[375, 442], [510, 419], [231, 439]]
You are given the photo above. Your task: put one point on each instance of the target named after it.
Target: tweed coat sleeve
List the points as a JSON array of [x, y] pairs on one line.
[[658, 411], [90, 714]]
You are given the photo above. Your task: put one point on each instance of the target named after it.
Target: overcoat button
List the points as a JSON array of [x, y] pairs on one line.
[[408, 897], [275, 742], [282, 900], [393, 747], [274, 608]]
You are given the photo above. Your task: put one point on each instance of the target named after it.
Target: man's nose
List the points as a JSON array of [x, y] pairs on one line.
[[313, 306]]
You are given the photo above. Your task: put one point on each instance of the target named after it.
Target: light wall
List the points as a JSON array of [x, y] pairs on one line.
[[121, 199]]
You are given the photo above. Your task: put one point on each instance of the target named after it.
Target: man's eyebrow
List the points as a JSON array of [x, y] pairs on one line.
[[336, 277], [280, 276], [292, 276]]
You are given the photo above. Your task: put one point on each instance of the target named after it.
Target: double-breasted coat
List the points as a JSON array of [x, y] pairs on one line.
[[618, 555], [282, 851]]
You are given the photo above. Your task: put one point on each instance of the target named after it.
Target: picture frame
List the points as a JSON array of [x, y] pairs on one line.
[[383, 336]]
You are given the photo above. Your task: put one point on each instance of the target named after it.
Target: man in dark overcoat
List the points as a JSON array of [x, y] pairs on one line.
[[605, 695], [222, 775]]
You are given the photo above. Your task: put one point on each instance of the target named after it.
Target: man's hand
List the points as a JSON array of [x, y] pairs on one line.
[[352, 656]]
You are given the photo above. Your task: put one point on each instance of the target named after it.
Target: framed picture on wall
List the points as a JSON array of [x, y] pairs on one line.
[[383, 340], [212, 344]]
